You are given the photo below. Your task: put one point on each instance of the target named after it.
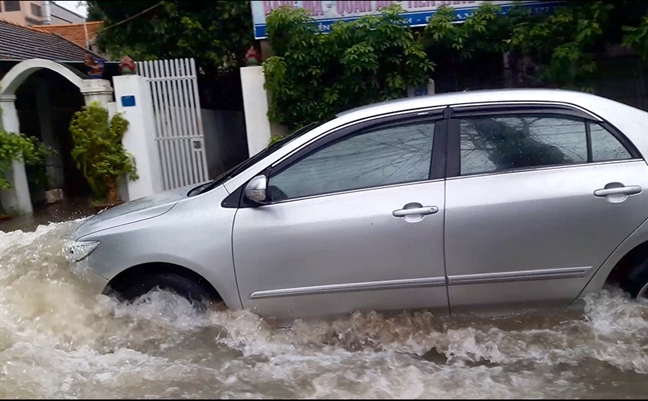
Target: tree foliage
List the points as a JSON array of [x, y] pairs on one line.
[[98, 150], [13, 147], [378, 57], [314, 76], [36, 161], [637, 38], [215, 34], [20, 148]]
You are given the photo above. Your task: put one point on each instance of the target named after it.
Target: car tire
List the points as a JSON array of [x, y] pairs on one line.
[[192, 291], [637, 279]]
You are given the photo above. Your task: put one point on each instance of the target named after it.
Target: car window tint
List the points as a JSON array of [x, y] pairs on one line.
[[383, 156], [496, 143], [605, 146]]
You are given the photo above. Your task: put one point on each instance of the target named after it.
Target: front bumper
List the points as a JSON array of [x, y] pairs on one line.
[[95, 281]]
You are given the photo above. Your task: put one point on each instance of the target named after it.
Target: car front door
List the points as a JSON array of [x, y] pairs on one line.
[[355, 221], [537, 199]]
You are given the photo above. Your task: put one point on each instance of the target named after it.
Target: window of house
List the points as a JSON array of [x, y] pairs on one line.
[[36, 10], [605, 146], [12, 6], [382, 156]]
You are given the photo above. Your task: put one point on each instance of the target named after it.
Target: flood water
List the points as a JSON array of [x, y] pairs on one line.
[[59, 340]]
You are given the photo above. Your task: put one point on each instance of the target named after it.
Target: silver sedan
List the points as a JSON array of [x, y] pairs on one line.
[[490, 202]]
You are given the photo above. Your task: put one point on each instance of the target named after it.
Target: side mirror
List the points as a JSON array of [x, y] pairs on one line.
[[256, 189]]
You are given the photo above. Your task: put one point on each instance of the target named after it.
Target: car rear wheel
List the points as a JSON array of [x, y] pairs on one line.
[[636, 284], [194, 292]]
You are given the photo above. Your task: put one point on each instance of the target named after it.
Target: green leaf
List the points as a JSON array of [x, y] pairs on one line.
[[98, 149]]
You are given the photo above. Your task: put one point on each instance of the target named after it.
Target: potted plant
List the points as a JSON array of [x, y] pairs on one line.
[[99, 153]]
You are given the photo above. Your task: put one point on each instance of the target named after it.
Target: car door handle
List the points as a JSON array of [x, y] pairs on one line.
[[425, 210], [629, 190]]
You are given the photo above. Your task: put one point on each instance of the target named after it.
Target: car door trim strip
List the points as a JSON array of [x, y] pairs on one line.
[[351, 287], [524, 275]]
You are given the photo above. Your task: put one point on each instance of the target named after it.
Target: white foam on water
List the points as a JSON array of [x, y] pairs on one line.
[[60, 340]]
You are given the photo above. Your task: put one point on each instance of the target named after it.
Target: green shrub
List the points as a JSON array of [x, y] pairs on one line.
[[98, 150], [314, 76], [20, 148]]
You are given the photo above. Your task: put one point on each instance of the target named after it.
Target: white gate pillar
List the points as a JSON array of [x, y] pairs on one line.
[[133, 99], [97, 90], [15, 200], [255, 108]]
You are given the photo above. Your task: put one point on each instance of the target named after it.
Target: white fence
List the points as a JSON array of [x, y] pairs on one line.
[[178, 123]]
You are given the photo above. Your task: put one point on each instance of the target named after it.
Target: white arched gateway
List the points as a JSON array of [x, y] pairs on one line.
[[17, 199], [21, 71]]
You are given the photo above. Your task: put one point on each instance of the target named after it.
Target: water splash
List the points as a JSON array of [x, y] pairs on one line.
[[58, 339]]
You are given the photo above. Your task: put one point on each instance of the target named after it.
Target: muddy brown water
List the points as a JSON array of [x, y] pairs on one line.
[[59, 340]]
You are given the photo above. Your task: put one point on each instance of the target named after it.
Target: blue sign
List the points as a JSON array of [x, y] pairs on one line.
[[128, 101], [418, 13]]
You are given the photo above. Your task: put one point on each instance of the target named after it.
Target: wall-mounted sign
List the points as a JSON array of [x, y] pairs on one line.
[[418, 13], [128, 101]]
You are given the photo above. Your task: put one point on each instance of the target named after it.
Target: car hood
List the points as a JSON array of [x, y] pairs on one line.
[[133, 211]]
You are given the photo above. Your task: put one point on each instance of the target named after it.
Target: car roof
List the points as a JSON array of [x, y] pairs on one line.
[[453, 98]]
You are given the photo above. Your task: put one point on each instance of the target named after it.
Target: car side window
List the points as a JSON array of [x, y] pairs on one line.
[[371, 158], [605, 146], [514, 141]]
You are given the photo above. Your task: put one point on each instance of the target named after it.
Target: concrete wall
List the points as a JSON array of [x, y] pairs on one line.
[[139, 139]]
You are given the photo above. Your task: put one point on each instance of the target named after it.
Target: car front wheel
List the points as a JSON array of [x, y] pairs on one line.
[[187, 288]]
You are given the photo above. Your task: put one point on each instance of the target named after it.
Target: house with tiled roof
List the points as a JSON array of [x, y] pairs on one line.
[[83, 34], [65, 44], [20, 42], [51, 65]]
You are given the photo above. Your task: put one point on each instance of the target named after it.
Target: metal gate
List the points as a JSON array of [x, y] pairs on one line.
[[178, 123]]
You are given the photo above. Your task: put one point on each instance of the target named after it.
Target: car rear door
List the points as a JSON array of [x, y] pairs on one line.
[[537, 198], [355, 222]]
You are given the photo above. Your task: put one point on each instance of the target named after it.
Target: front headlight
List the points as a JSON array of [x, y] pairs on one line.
[[76, 251]]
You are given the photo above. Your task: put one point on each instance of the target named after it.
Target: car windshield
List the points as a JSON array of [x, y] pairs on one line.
[[202, 188]]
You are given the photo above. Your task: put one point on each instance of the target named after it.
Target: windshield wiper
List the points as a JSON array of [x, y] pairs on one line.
[[197, 190], [208, 186]]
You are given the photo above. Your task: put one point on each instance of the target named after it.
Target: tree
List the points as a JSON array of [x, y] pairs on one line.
[[636, 38], [314, 76], [93, 12], [215, 34], [556, 48]]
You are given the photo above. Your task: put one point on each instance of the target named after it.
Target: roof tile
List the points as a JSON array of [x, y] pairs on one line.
[[73, 32], [19, 42]]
